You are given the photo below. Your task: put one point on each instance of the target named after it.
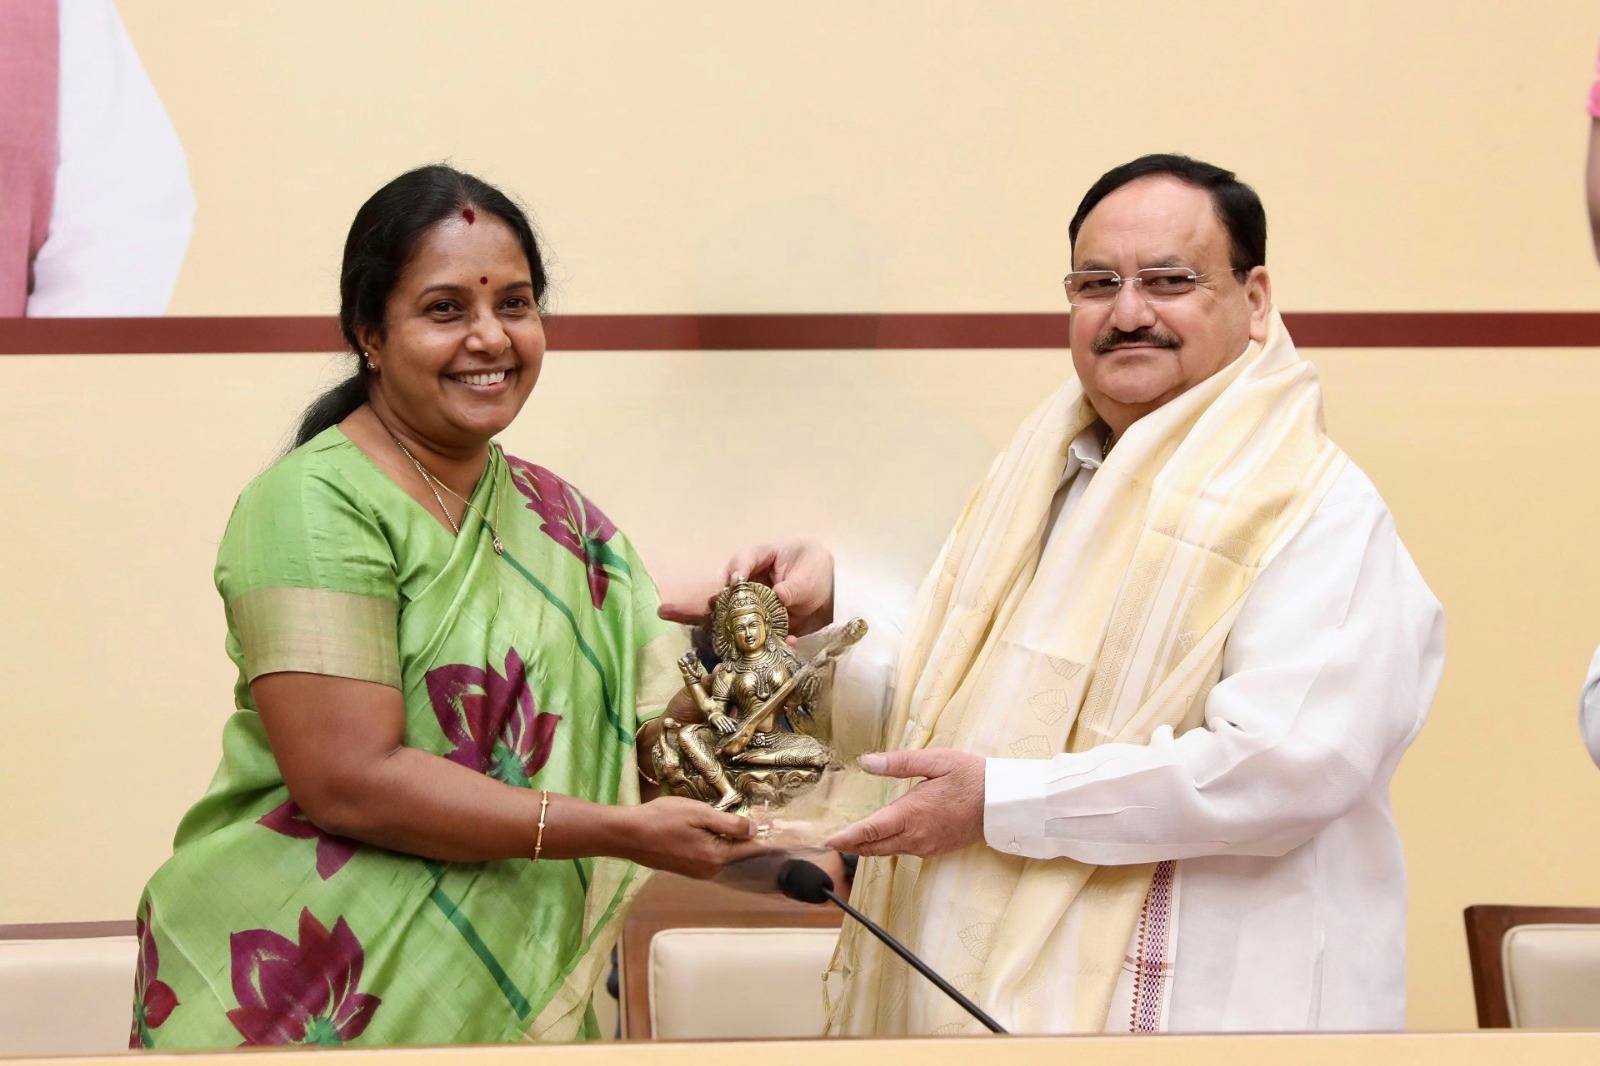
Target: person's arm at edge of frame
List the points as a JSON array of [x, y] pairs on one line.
[[1589, 710]]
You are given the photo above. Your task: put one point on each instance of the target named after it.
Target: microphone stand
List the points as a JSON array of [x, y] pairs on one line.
[[917, 964]]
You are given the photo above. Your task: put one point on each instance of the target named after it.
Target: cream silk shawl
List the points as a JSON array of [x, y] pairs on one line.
[[1115, 632]]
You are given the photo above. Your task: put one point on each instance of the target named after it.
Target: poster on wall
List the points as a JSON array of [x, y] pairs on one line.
[[96, 209]]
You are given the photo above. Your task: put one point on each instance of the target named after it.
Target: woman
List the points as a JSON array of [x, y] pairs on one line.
[[444, 652]]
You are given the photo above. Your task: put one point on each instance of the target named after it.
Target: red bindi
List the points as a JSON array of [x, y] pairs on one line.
[[469, 214], [483, 281]]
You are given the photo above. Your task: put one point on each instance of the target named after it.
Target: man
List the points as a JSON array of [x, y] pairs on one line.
[[1158, 680], [97, 209]]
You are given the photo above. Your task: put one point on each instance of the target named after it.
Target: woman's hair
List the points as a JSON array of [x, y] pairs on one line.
[[382, 239]]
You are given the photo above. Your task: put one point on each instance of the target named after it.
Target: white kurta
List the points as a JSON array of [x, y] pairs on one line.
[[1293, 888], [123, 209]]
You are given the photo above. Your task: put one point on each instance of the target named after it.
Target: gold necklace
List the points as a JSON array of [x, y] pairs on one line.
[[434, 485]]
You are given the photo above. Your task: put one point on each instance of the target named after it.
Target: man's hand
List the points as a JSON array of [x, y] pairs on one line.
[[800, 572], [942, 813]]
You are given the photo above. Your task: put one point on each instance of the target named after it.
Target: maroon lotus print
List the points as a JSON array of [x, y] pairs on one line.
[[153, 1000], [305, 993], [332, 851], [491, 719], [572, 522]]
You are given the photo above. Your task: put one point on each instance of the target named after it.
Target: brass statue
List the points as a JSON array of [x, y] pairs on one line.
[[761, 740]]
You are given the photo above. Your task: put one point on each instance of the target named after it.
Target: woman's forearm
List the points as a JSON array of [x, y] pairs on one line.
[[425, 805], [422, 804], [341, 746]]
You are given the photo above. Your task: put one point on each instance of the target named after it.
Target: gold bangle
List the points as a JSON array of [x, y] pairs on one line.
[[544, 803]]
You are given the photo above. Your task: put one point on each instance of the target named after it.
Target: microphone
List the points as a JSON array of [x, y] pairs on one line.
[[810, 883]]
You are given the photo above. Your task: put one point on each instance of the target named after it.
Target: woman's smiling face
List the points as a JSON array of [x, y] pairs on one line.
[[463, 341]]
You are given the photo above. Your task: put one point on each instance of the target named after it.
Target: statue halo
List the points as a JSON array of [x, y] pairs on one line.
[[744, 596]]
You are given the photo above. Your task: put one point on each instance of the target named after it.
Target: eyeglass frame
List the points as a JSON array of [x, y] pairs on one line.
[[1241, 273]]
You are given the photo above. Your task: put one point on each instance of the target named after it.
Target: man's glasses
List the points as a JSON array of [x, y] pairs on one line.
[[1158, 284]]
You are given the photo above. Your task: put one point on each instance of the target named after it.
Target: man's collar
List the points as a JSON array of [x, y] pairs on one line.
[[1087, 447]]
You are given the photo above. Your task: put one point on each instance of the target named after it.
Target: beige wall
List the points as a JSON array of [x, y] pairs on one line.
[[898, 155], [719, 157]]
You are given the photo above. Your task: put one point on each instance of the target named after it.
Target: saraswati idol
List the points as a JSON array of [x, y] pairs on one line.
[[760, 738]]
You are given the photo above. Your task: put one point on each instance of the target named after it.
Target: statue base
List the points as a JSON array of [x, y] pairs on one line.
[[771, 787]]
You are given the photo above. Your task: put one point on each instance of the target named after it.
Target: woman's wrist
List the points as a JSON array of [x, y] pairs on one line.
[[614, 831], [574, 828]]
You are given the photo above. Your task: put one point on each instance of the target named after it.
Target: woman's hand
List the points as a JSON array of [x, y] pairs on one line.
[[685, 836]]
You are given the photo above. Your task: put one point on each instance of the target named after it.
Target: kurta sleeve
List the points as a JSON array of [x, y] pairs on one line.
[[1327, 676], [308, 577], [1589, 710]]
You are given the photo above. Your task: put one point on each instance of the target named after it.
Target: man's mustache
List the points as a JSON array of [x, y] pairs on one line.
[[1144, 337]]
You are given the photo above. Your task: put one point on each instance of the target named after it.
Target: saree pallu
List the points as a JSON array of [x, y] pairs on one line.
[[533, 667]]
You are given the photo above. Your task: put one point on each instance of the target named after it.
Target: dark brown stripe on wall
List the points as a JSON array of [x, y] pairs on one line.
[[66, 930], [787, 332], [167, 336]]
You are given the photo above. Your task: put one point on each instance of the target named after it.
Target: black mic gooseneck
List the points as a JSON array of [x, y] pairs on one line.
[[810, 883]]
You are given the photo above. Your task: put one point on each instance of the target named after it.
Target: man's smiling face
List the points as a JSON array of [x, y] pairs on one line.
[[1132, 355]]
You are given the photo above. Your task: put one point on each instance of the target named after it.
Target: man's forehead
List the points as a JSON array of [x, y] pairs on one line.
[[1158, 221]]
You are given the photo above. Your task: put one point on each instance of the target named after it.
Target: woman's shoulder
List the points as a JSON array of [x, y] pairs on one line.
[[327, 461], [306, 516]]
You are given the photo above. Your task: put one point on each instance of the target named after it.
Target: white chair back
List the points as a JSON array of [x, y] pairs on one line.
[[1552, 974], [738, 984], [68, 995]]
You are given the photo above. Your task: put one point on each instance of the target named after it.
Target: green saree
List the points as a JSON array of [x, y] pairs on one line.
[[534, 667]]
